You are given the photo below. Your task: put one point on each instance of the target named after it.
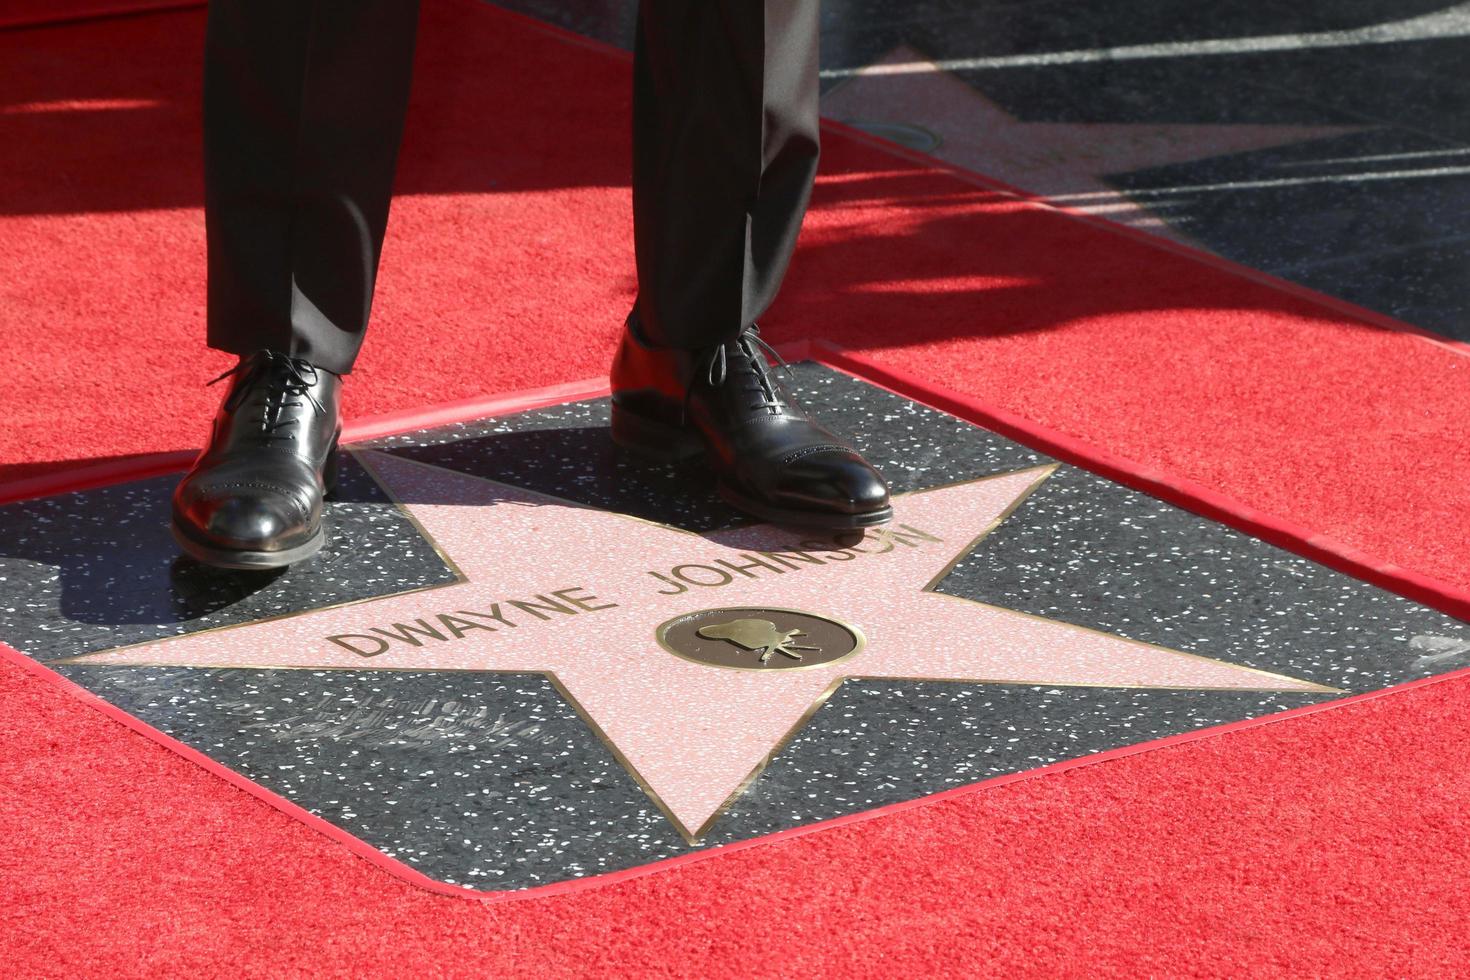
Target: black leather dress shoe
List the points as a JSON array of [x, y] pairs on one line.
[[770, 458], [253, 498]]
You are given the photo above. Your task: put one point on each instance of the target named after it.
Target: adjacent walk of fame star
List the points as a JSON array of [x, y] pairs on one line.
[[578, 594], [1064, 161]]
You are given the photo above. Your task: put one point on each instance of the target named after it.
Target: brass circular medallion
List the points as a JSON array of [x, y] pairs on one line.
[[759, 638]]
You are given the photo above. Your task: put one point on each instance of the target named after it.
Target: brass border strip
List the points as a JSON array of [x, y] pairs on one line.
[[768, 758], [1043, 473]]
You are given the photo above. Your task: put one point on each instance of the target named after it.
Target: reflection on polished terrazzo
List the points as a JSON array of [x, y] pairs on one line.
[[1326, 142], [540, 733]]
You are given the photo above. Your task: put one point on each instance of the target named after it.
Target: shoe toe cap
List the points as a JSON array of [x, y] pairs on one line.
[[261, 520], [259, 523], [838, 480]]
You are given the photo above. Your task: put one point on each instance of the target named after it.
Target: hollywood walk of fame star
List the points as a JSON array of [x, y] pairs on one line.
[[593, 586], [1062, 161]]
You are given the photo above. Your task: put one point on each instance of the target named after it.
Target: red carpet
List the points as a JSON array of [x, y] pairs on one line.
[[1328, 843], [17, 13]]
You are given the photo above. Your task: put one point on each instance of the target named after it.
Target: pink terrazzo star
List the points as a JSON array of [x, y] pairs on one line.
[[594, 586]]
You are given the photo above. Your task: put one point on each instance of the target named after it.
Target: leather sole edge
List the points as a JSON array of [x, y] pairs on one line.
[[244, 559]]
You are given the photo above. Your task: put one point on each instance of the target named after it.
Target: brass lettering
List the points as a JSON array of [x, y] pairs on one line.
[[725, 577], [922, 535], [582, 602], [835, 554], [454, 626], [494, 614], [459, 627], [664, 578], [404, 632], [341, 640], [788, 558], [548, 604], [745, 569]]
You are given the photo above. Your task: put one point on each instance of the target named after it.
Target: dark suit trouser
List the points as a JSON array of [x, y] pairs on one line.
[[303, 111]]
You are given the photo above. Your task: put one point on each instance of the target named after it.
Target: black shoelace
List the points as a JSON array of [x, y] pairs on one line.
[[750, 368], [279, 377]]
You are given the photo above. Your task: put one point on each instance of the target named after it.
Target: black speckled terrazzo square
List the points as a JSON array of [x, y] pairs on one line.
[[501, 779]]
